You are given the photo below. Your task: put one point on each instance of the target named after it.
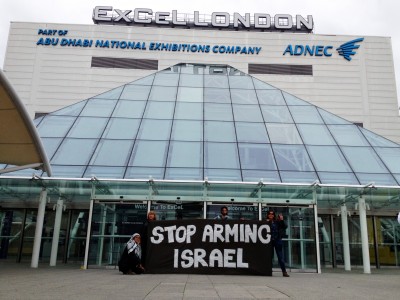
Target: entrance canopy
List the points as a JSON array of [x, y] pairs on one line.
[[20, 145]]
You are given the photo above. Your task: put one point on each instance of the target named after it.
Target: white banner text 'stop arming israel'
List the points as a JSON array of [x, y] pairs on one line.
[[205, 244]]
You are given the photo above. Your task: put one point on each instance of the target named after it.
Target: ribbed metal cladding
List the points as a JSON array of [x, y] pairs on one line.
[[280, 69], [124, 63]]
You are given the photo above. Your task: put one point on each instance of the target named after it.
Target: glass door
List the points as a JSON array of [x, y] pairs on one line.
[[299, 243]]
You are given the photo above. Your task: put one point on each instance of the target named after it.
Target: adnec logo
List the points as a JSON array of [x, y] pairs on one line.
[[347, 50]]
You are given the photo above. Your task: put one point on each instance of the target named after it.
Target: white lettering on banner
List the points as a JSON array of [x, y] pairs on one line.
[[182, 234], [228, 258], [238, 232]]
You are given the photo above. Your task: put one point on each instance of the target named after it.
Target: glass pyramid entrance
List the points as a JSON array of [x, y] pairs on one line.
[[192, 122]]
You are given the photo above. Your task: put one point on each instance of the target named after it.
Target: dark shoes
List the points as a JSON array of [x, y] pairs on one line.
[[285, 274]]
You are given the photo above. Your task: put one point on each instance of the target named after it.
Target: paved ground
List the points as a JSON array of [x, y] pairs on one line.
[[20, 281]]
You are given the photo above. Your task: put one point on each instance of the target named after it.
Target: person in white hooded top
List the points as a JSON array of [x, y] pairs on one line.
[[131, 259]]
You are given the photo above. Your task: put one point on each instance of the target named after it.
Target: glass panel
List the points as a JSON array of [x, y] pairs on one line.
[[148, 80], [187, 94], [149, 154], [247, 113], [50, 145], [185, 154], [183, 174], [236, 211], [391, 157], [77, 238], [105, 172], [163, 93], [72, 110], [276, 114], [329, 159], [98, 108], [338, 178], [262, 85], [256, 156], [74, 152], [270, 97], [113, 94], [191, 80], [54, 126], [306, 114], [135, 92], [166, 79], [12, 225], [144, 173], [218, 81], [251, 132], [241, 82], [348, 135], [218, 112], [221, 155], [37, 121], [243, 96], [189, 111], [292, 158], [222, 174], [292, 100], [219, 131], [121, 129], [331, 118], [193, 69], [155, 130], [88, 127], [257, 175], [68, 171], [129, 109], [187, 130], [325, 241], [298, 177], [159, 110], [217, 95], [377, 179], [388, 236], [183, 211], [112, 153], [364, 160], [315, 134], [283, 134], [377, 140]]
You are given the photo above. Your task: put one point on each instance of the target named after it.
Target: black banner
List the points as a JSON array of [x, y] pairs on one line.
[[209, 247]]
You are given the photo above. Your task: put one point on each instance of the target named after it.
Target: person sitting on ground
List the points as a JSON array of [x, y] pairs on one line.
[[224, 214], [131, 259]]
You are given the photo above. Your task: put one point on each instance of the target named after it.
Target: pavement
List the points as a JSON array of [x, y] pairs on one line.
[[20, 281]]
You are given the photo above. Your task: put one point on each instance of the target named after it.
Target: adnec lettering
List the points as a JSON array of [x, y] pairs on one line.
[[258, 21]]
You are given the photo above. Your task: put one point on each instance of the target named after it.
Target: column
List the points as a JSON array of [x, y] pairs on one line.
[[364, 234], [345, 235], [39, 229], [56, 232]]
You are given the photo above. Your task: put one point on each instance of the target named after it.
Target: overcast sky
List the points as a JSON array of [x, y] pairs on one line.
[[341, 17]]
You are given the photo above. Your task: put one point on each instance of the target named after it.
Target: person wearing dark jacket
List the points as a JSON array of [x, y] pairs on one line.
[[278, 227], [151, 216], [131, 259]]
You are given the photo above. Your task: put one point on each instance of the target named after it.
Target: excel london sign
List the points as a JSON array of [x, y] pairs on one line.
[[218, 20]]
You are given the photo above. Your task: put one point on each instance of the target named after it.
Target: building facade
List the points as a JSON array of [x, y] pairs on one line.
[[182, 121]]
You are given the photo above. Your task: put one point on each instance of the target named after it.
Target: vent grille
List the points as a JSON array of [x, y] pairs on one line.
[[280, 69], [124, 63]]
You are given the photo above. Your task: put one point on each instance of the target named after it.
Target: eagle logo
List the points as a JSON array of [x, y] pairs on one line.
[[346, 49]]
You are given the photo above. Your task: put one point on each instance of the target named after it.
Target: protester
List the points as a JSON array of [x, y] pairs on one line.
[[278, 227], [131, 259], [151, 216], [224, 214]]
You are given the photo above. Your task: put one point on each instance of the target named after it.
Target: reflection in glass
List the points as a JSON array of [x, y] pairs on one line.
[[292, 158], [149, 154], [251, 132], [283, 133], [221, 155], [219, 131]]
